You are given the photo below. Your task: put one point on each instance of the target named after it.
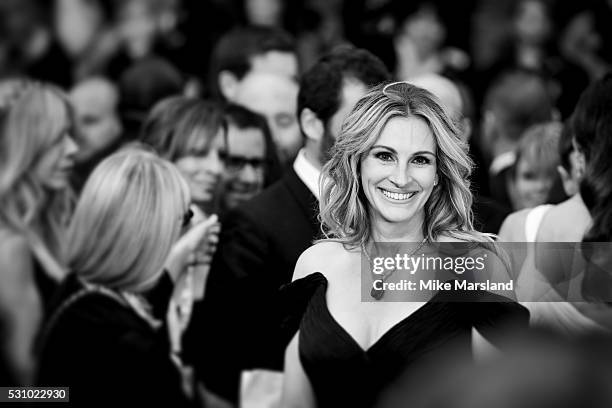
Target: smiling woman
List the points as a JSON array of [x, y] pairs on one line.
[[400, 134], [398, 173], [191, 134]]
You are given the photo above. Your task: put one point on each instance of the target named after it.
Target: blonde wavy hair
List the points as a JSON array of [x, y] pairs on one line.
[[344, 207], [33, 117], [128, 217]]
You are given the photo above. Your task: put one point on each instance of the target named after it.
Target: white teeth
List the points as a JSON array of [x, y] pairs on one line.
[[397, 196]]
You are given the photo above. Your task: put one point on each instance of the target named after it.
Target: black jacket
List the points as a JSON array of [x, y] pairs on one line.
[[237, 326], [107, 354]]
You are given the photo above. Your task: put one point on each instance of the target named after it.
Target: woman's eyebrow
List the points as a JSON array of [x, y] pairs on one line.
[[392, 150]]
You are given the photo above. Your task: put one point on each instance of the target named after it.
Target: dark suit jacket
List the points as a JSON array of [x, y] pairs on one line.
[[237, 325]]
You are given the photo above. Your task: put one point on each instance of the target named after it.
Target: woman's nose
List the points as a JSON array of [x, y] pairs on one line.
[[401, 175]]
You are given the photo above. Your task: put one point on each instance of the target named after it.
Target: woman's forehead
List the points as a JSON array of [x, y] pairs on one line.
[[407, 134]]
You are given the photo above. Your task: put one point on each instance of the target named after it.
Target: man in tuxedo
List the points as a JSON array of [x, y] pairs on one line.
[[262, 239]]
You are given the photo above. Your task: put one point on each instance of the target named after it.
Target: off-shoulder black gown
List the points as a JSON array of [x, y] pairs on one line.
[[343, 374]]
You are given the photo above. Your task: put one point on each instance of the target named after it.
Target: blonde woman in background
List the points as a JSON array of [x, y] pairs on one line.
[[36, 158], [129, 233]]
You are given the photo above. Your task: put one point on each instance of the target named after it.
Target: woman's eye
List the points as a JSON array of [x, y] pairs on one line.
[[421, 160], [384, 156]]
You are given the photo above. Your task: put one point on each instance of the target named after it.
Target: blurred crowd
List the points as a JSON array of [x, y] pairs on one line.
[[158, 156]]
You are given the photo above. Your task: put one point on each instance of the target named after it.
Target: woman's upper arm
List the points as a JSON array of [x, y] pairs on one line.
[[297, 392], [306, 263], [16, 272]]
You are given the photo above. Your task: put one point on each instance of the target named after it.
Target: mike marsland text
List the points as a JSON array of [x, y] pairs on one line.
[[438, 285]]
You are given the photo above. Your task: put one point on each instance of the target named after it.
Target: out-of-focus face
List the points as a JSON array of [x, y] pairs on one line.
[[263, 12], [532, 24], [78, 23], [276, 62], [274, 97], [531, 188], [95, 106], [203, 172], [425, 31], [246, 151], [137, 26], [399, 172], [56, 164]]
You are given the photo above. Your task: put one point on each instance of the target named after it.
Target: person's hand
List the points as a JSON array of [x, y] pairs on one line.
[[195, 246]]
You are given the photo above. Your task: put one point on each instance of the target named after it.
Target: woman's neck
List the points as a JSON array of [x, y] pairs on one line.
[[410, 231]]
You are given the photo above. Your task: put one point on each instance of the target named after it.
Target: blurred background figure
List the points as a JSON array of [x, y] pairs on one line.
[[250, 49], [98, 126], [30, 46], [141, 86], [535, 169], [36, 160], [274, 97], [86, 33], [191, 134], [251, 161], [129, 236], [535, 371], [515, 101], [419, 43], [531, 44]]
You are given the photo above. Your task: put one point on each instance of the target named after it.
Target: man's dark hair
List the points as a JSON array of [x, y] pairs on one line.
[[235, 50], [321, 86], [519, 99], [244, 118]]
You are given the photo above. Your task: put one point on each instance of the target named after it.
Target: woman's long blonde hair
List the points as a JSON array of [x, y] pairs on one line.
[[33, 117], [129, 215], [344, 207]]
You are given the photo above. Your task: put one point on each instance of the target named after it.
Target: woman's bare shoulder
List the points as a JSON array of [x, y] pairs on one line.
[[513, 227], [320, 257]]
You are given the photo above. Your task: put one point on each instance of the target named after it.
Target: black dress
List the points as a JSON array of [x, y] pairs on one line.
[[343, 374]]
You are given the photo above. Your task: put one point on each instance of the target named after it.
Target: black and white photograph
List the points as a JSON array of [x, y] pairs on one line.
[[306, 203]]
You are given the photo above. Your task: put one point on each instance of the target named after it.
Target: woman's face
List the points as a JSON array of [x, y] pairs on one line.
[[55, 166], [531, 188], [399, 171], [203, 172]]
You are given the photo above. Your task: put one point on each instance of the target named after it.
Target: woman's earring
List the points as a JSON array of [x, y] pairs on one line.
[[435, 182]]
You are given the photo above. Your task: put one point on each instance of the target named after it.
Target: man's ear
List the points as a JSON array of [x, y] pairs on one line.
[[228, 84], [311, 125]]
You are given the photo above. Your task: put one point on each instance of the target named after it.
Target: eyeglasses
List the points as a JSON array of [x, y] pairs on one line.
[[237, 163], [187, 218]]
